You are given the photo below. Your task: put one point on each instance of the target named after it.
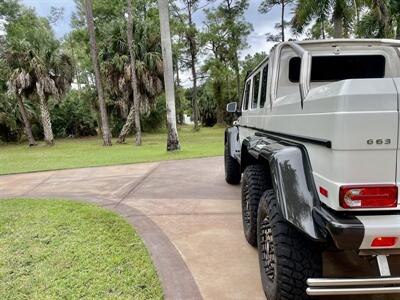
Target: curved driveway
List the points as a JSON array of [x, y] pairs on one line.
[[187, 215]]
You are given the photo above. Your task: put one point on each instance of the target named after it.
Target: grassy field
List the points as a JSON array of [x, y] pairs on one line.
[[57, 249], [88, 152]]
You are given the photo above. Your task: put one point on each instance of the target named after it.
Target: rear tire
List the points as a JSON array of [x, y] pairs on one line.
[[232, 168], [286, 257], [253, 186]]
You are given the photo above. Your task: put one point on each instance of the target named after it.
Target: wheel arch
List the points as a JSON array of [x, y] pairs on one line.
[[231, 139], [290, 175]]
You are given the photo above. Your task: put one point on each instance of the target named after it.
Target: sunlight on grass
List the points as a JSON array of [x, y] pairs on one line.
[[57, 249], [89, 152]]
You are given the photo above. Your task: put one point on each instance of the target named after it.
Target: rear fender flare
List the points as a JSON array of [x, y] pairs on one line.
[[291, 177]]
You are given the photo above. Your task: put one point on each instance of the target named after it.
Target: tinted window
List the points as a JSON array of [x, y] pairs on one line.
[[264, 80], [256, 87], [335, 68], [246, 95]]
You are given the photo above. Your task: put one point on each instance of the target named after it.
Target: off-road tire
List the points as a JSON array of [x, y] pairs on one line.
[[291, 258], [232, 168], [253, 186]]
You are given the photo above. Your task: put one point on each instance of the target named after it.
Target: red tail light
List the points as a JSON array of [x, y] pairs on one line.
[[384, 242], [381, 196]]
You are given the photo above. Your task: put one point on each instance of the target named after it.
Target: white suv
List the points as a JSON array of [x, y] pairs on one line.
[[317, 140]]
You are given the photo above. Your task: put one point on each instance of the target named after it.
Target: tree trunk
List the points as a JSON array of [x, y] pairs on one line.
[[283, 20], [105, 129], [172, 139], [193, 59], [136, 99], [45, 116], [26, 121], [194, 95], [386, 20], [237, 73], [127, 126], [357, 13], [398, 27], [219, 99], [125, 106], [179, 114], [338, 27]]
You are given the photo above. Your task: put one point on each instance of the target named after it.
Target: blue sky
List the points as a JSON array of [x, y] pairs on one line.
[[261, 23], [42, 7]]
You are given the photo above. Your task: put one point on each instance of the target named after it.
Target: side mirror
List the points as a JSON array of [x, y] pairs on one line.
[[231, 107]]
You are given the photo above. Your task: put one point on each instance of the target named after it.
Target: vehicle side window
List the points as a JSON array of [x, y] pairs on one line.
[[256, 88], [335, 68], [246, 95], [264, 81]]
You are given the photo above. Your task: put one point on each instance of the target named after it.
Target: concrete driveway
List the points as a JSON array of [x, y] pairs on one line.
[[188, 217]]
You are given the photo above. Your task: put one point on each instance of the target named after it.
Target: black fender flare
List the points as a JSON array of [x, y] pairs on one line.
[[232, 140], [291, 177]]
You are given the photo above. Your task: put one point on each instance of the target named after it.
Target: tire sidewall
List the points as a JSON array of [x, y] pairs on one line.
[[270, 286]]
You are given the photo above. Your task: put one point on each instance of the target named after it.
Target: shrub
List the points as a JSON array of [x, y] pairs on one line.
[[74, 115]]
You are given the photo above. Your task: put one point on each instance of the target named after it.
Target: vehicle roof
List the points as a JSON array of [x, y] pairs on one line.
[[380, 42], [331, 42]]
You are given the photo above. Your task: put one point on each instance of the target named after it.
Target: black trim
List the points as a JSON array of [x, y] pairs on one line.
[[347, 232], [275, 135]]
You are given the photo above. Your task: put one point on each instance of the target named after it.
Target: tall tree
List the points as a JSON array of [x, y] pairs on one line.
[[18, 82], [395, 6], [93, 52], [378, 19], [33, 53], [191, 36], [136, 99], [173, 139], [340, 11], [229, 16], [115, 60], [267, 5]]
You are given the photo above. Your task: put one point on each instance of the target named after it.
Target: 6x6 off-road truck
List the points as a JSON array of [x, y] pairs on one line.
[[316, 146]]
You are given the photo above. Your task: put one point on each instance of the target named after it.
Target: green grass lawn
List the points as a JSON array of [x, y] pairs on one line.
[[57, 249], [88, 152]]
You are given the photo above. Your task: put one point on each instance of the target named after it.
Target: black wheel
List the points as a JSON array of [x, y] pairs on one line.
[[253, 186], [287, 258], [232, 168]]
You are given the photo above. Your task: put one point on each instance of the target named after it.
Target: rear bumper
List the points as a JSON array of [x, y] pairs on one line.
[[347, 232], [350, 232]]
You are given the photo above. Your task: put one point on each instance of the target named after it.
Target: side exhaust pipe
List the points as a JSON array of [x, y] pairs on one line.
[[356, 286], [367, 286]]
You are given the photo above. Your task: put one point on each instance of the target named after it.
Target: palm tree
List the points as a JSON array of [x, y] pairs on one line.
[[93, 52], [136, 100], [53, 79], [17, 84], [172, 139], [381, 10], [39, 70], [116, 65], [307, 11], [378, 18]]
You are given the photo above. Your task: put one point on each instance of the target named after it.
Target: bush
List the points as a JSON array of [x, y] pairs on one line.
[[74, 115], [156, 119]]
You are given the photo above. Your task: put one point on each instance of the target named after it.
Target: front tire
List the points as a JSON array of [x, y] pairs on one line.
[[286, 257], [232, 168], [253, 186]]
